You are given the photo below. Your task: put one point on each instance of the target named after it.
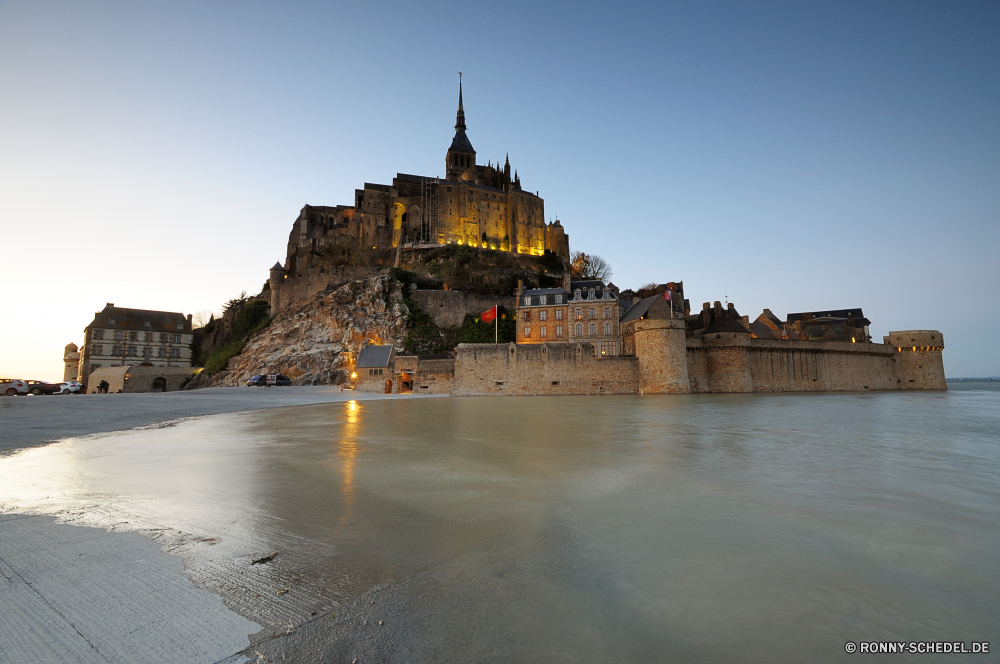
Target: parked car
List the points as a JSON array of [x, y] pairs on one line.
[[39, 387], [70, 387], [264, 380], [11, 387]]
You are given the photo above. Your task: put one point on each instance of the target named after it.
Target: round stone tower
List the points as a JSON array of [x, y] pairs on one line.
[[71, 360], [276, 282], [662, 353], [918, 363]]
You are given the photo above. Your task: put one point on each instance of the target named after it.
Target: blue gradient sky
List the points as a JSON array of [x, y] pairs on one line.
[[794, 155]]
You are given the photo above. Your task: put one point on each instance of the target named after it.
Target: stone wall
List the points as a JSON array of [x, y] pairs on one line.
[[434, 377], [551, 368], [448, 308], [917, 362], [138, 379], [304, 284], [771, 365]]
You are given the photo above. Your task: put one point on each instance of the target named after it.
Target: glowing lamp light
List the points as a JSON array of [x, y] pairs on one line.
[[354, 374]]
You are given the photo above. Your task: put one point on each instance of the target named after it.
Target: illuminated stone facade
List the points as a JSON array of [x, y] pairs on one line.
[[473, 205]]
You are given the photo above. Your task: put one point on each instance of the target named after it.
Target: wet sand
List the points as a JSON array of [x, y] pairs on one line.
[[27, 421], [697, 528]]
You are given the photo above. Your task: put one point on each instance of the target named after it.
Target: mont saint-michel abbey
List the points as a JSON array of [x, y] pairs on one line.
[[475, 205]]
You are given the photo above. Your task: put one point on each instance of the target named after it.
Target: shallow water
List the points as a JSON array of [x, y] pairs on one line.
[[685, 528]]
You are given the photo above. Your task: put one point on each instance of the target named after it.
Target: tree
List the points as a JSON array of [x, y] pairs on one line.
[[589, 266]]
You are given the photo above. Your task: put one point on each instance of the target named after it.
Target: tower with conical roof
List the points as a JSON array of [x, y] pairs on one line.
[[460, 162]]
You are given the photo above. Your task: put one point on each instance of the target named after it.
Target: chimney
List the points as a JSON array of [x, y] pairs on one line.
[[111, 304], [520, 286], [190, 324], [566, 281]]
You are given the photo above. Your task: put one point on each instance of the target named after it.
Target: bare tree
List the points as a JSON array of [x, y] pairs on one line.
[[201, 318], [589, 266]]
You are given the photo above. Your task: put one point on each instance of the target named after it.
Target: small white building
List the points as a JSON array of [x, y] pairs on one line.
[[119, 337]]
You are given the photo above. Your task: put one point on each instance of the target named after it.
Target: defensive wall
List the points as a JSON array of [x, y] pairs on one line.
[[134, 378], [448, 308], [668, 363], [300, 285], [528, 369]]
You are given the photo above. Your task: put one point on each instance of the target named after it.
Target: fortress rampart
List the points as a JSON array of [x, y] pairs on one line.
[[667, 363]]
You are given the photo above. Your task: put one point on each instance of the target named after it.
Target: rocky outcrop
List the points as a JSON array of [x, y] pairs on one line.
[[317, 342]]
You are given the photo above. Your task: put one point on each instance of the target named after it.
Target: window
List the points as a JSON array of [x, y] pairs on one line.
[[116, 350], [118, 336], [147, 336], [161, 352], [132, 351], [542, 332], [590, 294], [543, 315], [177, 338], [607, 312], [527, 301], [543, 299], [163, 338], [97, 349], [579, 329], [175, 353], [111, 321], [527, 333], [97, 334], [579, 313], [527, 315], [133, 335], [180, 326], [147, 352], [558, 299], [593, 329], [592, 313], [558, 314], [576, 294], [558, 331], [145, 323], [607, 329]]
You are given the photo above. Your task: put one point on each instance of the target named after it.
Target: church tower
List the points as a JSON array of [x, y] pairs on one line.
[[460, 163]]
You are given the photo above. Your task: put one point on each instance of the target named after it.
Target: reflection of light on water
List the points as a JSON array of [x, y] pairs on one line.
[[348, 452]]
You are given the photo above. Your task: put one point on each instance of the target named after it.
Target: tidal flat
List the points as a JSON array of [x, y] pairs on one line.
[[686, 528]]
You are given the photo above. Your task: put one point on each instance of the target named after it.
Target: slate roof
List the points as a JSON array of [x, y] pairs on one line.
[[829, 315], [461, 142], [136, 319], [640, 308], [374, 357], [761, 331]]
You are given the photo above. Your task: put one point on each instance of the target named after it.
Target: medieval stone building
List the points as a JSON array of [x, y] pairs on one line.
[[474, 205]]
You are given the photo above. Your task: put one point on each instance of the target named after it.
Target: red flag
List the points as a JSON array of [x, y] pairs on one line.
[[489, 315], [668, 295]]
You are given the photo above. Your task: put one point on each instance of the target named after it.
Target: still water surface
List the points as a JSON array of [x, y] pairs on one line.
[[684, 528]]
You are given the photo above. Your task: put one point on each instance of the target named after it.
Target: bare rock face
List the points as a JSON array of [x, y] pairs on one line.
[[318, 341]]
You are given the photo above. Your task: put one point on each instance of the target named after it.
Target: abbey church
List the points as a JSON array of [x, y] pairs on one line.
[[475, 205]]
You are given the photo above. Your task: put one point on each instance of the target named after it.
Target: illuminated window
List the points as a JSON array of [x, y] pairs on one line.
[[579, 313]]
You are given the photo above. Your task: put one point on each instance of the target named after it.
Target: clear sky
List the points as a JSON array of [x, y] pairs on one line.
[[795, 156]]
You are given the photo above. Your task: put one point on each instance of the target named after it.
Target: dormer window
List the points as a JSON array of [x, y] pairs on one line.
[[576, 294], [590, 294], [543, 300], [145, 323], [111, 321], [527, 301], [558, 299], [180, 326]]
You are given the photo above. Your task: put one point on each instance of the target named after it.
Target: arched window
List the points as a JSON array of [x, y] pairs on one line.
[[579, 329], [593, 329]]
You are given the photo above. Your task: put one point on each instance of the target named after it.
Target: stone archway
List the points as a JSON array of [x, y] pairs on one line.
[[159, 384]]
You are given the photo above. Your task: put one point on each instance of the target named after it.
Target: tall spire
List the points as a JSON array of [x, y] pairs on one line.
[[460, 117]]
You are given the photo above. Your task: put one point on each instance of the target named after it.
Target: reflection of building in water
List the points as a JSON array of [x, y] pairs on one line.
[[348, 453]]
